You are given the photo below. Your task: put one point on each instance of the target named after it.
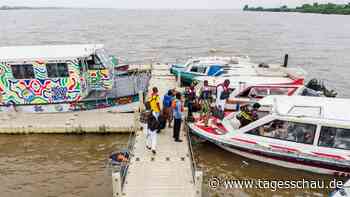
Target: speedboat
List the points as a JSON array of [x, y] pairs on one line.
[[253, 93], [237, 68], [208, 66], [343, 191], [299, 132]]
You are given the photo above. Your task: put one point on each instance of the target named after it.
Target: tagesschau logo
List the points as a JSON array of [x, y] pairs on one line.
[[273, 185]]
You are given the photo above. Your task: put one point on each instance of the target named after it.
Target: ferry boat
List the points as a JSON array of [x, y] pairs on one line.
[[61, 78], [299, 132]]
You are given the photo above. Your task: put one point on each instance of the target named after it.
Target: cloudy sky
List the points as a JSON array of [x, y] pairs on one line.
[[175, 4]]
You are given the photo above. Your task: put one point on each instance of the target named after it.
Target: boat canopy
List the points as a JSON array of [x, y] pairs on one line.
[[47, 52], [314, 107]]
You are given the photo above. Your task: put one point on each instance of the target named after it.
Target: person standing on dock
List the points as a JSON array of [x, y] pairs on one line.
[[167, 110], [154, 102], [177, 111], [152, 128]]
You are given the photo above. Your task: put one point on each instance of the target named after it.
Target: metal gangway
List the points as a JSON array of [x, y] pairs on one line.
[[172, 171]]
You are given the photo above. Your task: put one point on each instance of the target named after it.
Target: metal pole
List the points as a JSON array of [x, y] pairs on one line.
[[285, 64]]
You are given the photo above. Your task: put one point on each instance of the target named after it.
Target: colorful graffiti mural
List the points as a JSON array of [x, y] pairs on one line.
[[41, 90], [100, 79]]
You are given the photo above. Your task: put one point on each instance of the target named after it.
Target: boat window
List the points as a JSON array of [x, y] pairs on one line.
[[57, 70], [258, 92], [281, 91], [285, 130], [334, 138], [104, 58], [94, 63], [199, 69], [306, 111], [23, 71]]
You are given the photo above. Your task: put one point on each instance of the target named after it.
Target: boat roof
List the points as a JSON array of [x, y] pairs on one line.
[[314, 107], [47, 52]]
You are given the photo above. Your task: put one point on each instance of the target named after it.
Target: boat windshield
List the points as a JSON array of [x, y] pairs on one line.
[[104, 58]]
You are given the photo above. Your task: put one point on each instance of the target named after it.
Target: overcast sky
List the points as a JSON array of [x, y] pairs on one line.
[[175, 4]]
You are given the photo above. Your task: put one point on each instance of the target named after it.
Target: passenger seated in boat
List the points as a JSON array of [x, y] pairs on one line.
[[267, 131], [248, 114]]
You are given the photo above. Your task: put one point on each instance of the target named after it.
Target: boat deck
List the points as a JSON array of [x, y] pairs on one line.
[[169, 172]]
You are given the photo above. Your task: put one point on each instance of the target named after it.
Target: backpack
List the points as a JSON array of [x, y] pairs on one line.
[[162, 122], [167, 101], [153, 123]]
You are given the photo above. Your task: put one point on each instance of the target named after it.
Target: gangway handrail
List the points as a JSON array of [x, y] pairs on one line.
[[194, 167]]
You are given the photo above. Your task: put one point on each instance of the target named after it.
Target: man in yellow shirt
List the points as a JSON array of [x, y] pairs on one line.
[[154, 101]]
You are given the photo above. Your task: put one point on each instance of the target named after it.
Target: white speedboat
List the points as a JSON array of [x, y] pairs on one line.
[[307, 133], [344, 191], [237, 68]]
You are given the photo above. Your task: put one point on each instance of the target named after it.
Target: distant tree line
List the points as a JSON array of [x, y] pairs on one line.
[[329, 8], [5, 7]]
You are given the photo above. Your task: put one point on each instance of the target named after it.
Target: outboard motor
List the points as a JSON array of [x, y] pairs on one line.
[[318, 86]]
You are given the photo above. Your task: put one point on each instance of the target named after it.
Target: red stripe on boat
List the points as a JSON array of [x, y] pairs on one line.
[[244, 140], [208, 129], [329, 156], [285, 148]]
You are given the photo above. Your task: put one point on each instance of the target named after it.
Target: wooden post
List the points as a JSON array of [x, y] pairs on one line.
[[198, 183], [116, 184]]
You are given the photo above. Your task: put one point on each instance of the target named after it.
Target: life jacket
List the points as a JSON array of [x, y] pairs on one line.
[[246, 115], [191, 94], [167, 100], [173, 105], [225, 94], [206, 92]]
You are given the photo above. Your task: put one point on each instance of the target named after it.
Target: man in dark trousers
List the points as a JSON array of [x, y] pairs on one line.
[[177, 112]]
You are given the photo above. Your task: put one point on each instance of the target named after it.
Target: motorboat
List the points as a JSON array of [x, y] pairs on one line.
[[254, 93], [208, 66], [237, 68], [299, 132], [343, 191]]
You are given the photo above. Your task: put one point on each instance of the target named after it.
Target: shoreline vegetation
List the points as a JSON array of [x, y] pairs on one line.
[[5, 7], [329, 8]]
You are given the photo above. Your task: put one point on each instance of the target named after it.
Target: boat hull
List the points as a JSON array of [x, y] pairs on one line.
[[123, 104], [281, 160]]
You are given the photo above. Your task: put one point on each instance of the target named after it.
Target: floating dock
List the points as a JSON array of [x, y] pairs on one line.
[[95, 121], [172, 171]]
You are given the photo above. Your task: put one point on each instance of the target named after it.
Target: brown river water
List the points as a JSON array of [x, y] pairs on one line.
[[75, 165]]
